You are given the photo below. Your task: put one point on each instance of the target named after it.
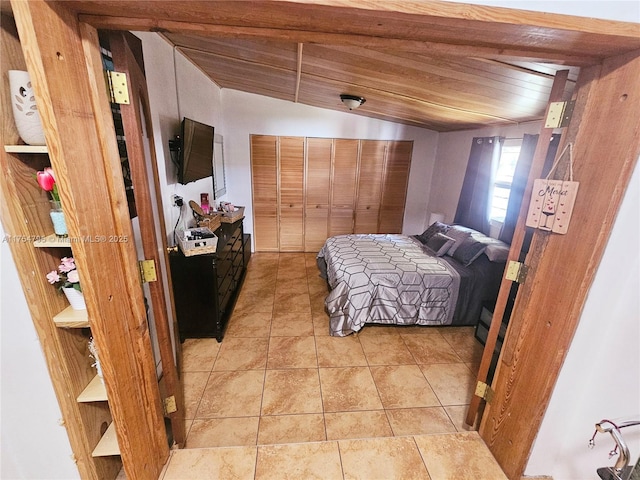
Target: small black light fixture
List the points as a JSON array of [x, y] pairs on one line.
[[352, 101]]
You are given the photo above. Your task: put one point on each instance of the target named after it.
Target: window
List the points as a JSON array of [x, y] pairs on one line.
[[503, 179]]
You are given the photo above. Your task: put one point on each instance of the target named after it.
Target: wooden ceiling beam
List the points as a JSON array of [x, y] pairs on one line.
[[498, 52], [298, 71]]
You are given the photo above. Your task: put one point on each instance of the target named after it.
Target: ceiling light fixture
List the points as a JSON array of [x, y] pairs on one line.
[[351, 101]]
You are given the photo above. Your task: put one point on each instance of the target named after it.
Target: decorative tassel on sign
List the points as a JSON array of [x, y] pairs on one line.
[[552, 201]]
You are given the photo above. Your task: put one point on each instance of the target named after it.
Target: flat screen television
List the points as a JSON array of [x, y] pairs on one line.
[[196, 151]]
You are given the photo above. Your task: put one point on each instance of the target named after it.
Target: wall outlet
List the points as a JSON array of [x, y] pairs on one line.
[[176, 201]]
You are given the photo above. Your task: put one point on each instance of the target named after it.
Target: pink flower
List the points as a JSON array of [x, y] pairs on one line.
[[73, 276], [53, 277], [46, 180], [67, 264]]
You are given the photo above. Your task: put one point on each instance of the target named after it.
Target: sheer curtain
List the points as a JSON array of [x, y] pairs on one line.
[[474, 205], [520, 178]]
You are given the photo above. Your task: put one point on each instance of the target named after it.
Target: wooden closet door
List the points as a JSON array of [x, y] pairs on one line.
[[394, 190], [343, 186], [264, 179], [291, 194], [318, 187], [369, 186]]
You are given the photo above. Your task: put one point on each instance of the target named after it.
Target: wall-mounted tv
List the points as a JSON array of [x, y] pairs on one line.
[[196, 152]]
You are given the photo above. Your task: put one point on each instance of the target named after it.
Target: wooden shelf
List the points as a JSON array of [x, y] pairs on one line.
[[70, 318], [94, 392], [26, 149], [52, 241], [108, 444]]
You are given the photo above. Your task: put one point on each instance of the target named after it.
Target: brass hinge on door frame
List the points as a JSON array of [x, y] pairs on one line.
[[484, 391], [169, 405], [559, 114], [516, 272], [118, 87], [147, 271]]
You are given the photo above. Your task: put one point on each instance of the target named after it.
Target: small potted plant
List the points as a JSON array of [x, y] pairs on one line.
[[67, 280], [47, 181]]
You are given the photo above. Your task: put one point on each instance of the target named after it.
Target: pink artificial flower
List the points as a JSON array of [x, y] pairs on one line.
[[67, 264], [53, 277], [46, 180], [49, 170], [73, 277]]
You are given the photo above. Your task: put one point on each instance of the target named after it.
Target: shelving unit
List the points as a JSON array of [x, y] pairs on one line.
[[26, 149], [108, 445], [70, 318], [95, 392]]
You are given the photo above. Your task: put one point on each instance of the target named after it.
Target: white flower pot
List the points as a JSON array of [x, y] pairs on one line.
[[25, 111], [76, 299]]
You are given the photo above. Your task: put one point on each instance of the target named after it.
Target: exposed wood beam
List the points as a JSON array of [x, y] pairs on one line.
[[365, 41], [298, 71]]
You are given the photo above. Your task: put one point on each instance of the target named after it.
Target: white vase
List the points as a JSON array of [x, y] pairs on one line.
[[25, 111], [76, 299]]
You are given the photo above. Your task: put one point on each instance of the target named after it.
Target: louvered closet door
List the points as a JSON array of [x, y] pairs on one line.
[[369, 186], [264, 179], [394, 190], [343, 191], [318, 187], [291, 194]]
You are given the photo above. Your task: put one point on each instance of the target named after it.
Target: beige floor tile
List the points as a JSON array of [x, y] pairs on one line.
[[386, 350], [382, 458], [292, 302], [297, 286], [464, 343], [291, 391], [458, 414], [366, 424], [232, 394], [239, 353], [419, 421], [419, 330], [403, 386], [292, 352], [320, 324], [317, 302], [253, 302], [194, 384], [340, 352], [374, 329], [348, 389], [249, 324], [198, 354], [453, 383], [223, 432], [428, 349], [291, 428], [306, 461], [472, 459], [196, 464], [292, 324]]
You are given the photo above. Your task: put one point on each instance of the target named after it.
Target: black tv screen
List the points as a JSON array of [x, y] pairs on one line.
[[196, 155]]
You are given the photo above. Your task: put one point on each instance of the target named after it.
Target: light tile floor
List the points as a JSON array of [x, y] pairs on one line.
[[280, 398]]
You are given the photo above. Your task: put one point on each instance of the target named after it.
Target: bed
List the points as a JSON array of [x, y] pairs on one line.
[[441, 277]]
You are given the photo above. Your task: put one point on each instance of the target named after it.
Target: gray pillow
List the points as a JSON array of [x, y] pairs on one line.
[[440, 244], [435, 227], [497, 252], [459, 234], [469, 250]]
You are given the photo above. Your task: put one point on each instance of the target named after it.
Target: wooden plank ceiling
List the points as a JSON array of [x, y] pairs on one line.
[[436, 65]]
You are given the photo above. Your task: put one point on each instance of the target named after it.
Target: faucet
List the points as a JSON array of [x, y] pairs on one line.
[[621, 470]]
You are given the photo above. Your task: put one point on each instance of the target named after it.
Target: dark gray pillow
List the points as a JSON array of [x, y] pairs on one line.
[[459, 234], [440, 244], [497, 252], [469, 250], [435, 227]]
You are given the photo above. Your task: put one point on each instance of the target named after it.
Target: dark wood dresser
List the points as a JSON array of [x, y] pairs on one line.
[[205, 287]]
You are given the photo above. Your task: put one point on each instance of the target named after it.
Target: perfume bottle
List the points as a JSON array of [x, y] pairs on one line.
[[204, 203]]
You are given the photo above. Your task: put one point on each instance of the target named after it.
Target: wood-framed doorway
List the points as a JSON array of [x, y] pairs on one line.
[[606, 83]]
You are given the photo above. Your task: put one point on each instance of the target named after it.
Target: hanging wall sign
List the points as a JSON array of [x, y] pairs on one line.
[[552, 200]]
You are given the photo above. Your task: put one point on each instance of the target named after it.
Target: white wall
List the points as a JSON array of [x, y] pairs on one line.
[[32, 443]]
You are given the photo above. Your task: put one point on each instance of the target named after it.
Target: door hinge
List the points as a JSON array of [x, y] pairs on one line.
[[484, 391], [516, 272], [147, 271], [118, 88], [559, 114], [170, 405]]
